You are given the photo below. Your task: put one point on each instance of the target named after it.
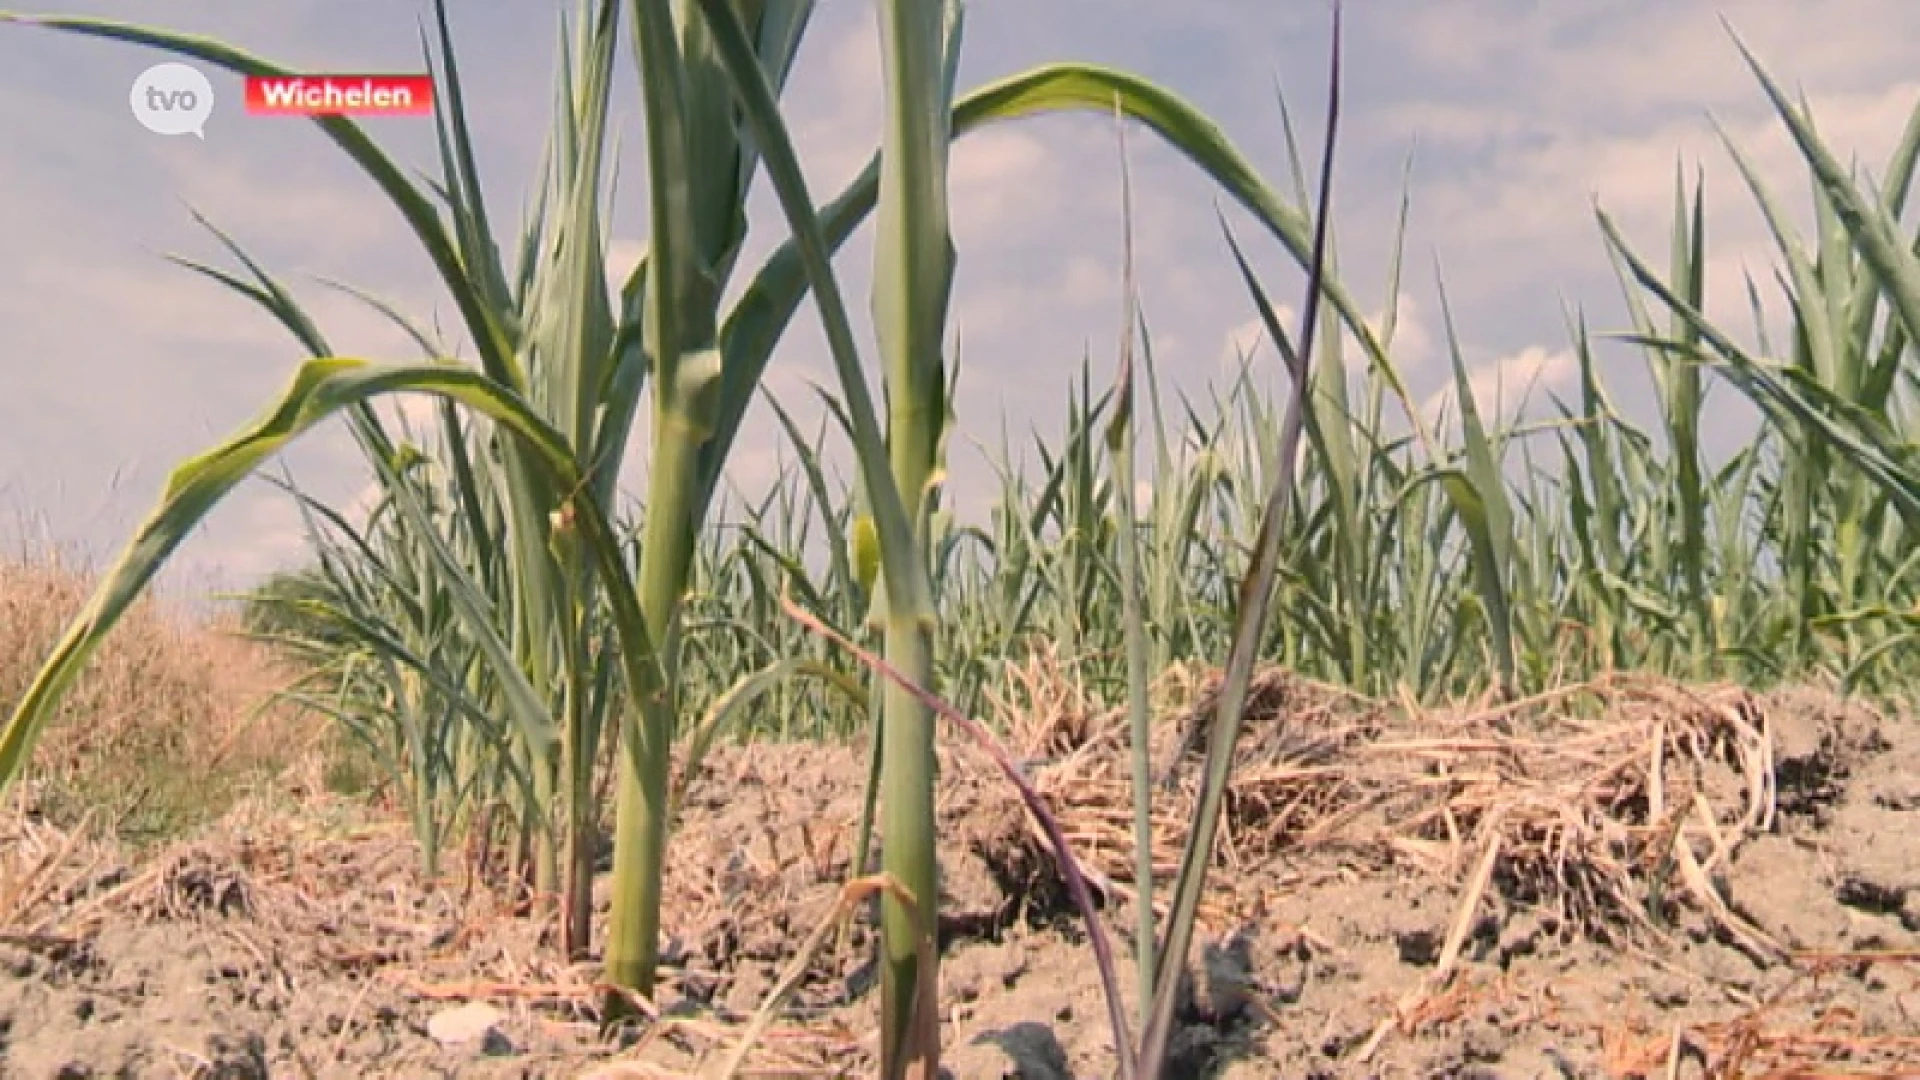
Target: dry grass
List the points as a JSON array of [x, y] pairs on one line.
[[1610, 801], [167, 729], [1612, 804], [1762, 1043]]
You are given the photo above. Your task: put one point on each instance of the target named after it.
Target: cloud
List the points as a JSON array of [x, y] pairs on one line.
[[623, 256], [999, 180], [1501, 387], [1089, 282], [261, 533], [1628, 64], [1411, 347], [1249, 341], [831, 101]]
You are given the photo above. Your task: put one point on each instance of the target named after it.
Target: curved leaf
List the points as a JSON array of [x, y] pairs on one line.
[[320, 389]]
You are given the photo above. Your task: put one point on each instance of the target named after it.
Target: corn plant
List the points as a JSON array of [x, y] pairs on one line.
[[383, 656], [1249, 627], [1159, 991], [1843, 399], [900, 466], [561, 376], [1121, 448]]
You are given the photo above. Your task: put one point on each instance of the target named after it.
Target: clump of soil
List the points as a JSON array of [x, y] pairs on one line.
[[1624, 879]]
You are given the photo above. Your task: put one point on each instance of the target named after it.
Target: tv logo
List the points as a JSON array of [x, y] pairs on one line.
[[172, 99]]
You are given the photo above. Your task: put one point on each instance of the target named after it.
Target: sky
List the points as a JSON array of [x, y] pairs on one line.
[[1507, 121]]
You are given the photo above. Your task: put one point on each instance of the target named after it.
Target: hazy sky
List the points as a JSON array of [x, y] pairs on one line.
[[1517, 117]]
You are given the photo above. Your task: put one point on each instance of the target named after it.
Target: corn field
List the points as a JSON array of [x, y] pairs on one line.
[[518, 650]]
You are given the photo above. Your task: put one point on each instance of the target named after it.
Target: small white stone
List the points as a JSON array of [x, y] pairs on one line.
[[473, 1024]]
